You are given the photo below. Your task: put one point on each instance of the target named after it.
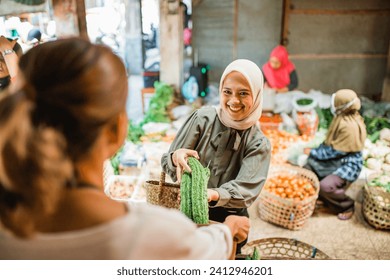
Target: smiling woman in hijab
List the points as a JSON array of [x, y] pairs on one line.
[[343, 146], [227, 139], [279, 72]]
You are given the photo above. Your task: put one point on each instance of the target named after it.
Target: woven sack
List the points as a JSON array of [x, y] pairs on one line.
[[376, 207], [280, 248], [162, 193], [286, 212]]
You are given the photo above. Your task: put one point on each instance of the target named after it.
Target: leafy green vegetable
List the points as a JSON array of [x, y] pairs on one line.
[[325, 117], [135, 132], [157, 111], [381, 181], [115, 160], [255, 255], [304, 101], [374, 125]]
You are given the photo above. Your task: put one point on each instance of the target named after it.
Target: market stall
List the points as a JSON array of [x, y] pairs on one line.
[[299, 121]]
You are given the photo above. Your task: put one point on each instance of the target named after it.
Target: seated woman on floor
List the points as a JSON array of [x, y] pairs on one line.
[[339, 161]]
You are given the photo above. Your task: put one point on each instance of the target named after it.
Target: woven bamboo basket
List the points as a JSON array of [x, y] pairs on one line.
[[376, 207], [287, 212], [162, 193], [280, 248]]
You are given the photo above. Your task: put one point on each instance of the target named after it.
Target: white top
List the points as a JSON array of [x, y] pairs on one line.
[[146, 232]]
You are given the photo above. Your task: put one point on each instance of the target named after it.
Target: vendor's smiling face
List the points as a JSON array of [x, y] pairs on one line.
[[236, 97]]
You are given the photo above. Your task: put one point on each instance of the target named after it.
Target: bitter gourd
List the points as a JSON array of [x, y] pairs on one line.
[[185, 195], [193, 192]]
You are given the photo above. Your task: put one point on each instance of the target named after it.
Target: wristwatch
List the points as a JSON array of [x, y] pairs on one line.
[[6, 52]]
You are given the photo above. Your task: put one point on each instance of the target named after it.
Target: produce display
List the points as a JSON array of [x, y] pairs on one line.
[[307, 122], [281, 141], [121, 187], [374, 126], [381, 181], [290, 186], [377, 155], [193, 192]]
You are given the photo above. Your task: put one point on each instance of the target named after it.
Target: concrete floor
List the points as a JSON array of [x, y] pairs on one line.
[[354, 239]]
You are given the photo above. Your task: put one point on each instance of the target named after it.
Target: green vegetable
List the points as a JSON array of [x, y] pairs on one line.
[[135, 132], [325, 117], [381, 181], [193, 192], [200, 177], [374, 125], [157, 110], [185, 195], [255, 255], [374, 137], [304, 101], [115, 160]]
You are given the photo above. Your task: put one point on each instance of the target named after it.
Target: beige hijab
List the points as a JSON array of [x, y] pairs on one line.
[[255, 79], [347, 132]]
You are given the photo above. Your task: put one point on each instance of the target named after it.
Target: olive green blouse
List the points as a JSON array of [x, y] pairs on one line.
[[237, 173]]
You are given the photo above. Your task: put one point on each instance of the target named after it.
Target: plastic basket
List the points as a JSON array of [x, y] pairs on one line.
[[162, 193], [286, 212], [376, 207], [279, 248]]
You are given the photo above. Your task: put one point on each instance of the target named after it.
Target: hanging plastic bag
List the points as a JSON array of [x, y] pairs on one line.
[[305, 115]]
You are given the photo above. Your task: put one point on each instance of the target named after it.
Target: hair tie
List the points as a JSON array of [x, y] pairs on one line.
[[345, 106]]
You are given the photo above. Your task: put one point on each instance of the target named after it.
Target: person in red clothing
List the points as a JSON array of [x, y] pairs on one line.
[[279, 72]]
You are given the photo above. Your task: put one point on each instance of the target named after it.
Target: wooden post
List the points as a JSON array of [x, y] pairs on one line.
[[285, 18], [171, 43], [81, 18], [386, 83], [235, 30]]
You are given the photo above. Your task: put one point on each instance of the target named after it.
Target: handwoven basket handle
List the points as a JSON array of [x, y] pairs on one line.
[[162, 179]]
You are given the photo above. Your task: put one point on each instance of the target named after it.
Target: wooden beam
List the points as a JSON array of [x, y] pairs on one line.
[[339, 12], [171, 43], [386, 83], [285, 22], [196, 3], [81, 19], [338, 56], [235, 29]]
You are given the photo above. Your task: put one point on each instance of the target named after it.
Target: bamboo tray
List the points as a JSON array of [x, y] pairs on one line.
[[279, 248]]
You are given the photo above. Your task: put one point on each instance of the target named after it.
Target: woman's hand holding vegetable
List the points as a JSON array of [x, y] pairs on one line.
[[180, 158]]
